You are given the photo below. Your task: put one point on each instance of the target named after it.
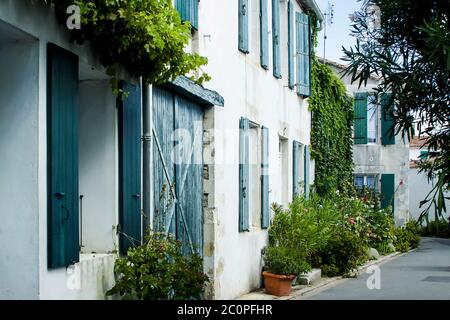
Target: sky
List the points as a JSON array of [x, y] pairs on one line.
[[339, 32]]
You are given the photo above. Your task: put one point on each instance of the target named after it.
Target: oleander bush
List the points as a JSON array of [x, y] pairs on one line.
[[407, 237]]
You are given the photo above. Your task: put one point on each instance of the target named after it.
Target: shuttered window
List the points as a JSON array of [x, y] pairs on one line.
[[243, 26], [244, 176], [265, 205], [360, 127], [387, 121], [264, 29], [307, 155], [130, 168], [291, 48], [276, 38], [296, 153], [303, 54], [188, 10], [63, 194], [387, 191]]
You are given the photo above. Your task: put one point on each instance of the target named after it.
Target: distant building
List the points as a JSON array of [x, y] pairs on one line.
[[381, 159]]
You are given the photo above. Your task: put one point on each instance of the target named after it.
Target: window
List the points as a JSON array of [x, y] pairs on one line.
[[255, 174], [303, 54], [366, 181], [283, 175], [373, 121]]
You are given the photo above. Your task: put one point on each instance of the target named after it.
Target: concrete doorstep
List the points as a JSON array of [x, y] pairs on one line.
[[313, 282]]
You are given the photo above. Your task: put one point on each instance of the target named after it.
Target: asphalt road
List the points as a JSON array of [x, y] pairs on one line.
[[423, 274]]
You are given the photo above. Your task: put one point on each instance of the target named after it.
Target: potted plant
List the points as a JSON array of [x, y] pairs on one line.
[[282, 263]]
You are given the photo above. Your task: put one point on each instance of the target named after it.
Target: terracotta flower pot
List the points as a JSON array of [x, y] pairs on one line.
[[278, 285]]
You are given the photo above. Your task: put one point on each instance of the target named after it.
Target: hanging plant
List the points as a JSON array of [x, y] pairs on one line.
[[147, 37]]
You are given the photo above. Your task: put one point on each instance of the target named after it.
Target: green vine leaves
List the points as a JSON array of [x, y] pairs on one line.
[[148, 37]]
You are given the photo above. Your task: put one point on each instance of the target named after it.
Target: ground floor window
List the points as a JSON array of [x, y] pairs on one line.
[[366, 181]]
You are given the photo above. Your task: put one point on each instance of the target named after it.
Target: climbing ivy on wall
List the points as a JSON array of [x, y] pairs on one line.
[[147, 37], [332, 120]]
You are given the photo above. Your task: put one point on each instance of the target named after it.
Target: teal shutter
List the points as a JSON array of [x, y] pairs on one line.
[[291, 52], [424, 155], [303, 54], [295, 169], [244, 197], [387, 121], [243, 26], [276, 38], [130, 168], [188, 10], [387, 191], [264, 26], [361, 118], [307, 155], [63, 196], [265, 206]]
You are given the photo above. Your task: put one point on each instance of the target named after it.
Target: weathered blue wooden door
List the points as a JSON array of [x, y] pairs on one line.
[[62, 98], [130, 168], [178, 168]]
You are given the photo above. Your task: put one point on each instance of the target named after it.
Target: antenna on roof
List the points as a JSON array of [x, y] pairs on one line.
[[329, 20]]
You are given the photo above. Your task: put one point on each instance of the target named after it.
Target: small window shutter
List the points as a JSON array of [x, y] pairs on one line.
[[63, 194], [387, 191], [387, 121], [130, 168], [361, 118], [296, 168], [244, 197], [307, 162], [265, 206], [264, 26], [243, 26], [291, 52], [276, 38], [188, 10], [303, 54]]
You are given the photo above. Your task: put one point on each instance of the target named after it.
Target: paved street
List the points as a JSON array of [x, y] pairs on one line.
[[421, 274]]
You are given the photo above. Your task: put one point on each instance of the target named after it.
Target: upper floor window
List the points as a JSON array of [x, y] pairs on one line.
[[372, 111]]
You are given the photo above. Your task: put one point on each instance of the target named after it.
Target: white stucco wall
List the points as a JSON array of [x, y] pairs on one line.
[[18, 168], [419, 189], [232, 258]]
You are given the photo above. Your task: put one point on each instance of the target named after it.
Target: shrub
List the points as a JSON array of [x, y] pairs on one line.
[[344, 252], [285, 260], [407, 237], [158, 270], [436, 228]]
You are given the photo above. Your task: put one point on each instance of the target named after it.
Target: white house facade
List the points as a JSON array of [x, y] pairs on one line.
[[381, 158]]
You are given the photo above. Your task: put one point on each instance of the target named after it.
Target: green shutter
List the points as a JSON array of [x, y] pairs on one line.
[[243, 26], [303, 54], [296, 168], [62, 123], [188, 10], [291, 51], [265, 205], [360, 134], [424, 155], [130, 168], [307, 162], [387, 191], [264, 26], [244, 197], [387, 121], [276, 38]]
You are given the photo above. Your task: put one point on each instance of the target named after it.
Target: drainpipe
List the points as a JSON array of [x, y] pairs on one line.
[[147, 159]]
